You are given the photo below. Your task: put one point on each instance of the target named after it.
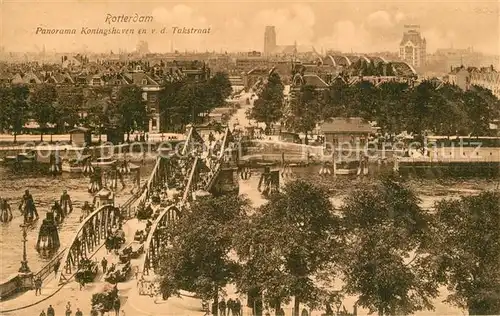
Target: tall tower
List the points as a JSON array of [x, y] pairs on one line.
[[269, 40]]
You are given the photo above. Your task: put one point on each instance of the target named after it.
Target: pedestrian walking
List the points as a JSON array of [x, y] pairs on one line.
[[56, 267], [78, 312], [237, 307], [43, 313], [50, 311], [222, 307], [38, 286], [104, 264], [68, 309], [214, 308], [116, 306], [82, 284], [230, 307]]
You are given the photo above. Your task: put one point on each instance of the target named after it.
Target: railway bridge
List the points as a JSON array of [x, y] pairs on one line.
[[200, 168]]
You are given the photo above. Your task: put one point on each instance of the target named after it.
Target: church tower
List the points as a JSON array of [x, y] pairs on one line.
[[269, 40]]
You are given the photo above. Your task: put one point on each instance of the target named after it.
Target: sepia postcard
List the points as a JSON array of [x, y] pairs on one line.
[[249, 158]]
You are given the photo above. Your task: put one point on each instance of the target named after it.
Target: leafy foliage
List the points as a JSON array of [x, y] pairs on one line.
[[469, 251], [386, 262], [286, 260], [13, 108], [304, 110], [131, 109], [42, 104], [268, 108], [182, 101], [443, 109], [69, 103], [199, 260]]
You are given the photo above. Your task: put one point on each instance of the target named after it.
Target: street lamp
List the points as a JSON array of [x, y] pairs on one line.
[[24, 264]]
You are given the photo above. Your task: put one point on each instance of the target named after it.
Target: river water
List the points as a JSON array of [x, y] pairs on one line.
[[45, 190]]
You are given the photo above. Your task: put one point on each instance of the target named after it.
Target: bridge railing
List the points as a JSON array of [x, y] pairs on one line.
[[192, 176], [129, 208], [48, 269], [89, 238], [153, 244]]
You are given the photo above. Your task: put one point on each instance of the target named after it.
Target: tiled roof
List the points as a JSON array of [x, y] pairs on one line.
[[314, 80], [412, 36], [346, 125]]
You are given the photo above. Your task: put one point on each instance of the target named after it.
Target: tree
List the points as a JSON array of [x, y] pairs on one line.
[[42, 104], [13, 108], [469, 251], [220, 88], [478, 112], [199, 259], [393, 99], [304, 110], [132, 110], [100, 111], [384, 227], [286, 260], [269, 106], [172, 119], [69, 103]]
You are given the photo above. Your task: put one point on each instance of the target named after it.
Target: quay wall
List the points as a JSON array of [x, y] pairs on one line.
[[438, 169], [16, 283]]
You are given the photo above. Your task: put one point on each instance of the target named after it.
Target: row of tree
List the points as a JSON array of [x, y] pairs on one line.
[[103, 108], [442, 109], [381, 245], [67, 107]]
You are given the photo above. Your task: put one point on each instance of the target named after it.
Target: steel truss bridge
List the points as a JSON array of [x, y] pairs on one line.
[[191, 171]]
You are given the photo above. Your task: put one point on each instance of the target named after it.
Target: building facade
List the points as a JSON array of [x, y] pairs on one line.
[[413, 47]]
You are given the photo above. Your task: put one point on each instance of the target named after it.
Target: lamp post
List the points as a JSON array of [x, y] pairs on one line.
[[24, 264]]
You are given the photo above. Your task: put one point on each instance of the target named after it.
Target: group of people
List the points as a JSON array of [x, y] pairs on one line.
[[68, 312], [63, 207], [231, 307]]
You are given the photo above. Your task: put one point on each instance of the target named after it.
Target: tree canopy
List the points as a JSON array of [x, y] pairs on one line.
[[386, 261], [183, 100], [268, 108], [440, 108], [285, 260], [132, 109], [199, 259], [469, 251]]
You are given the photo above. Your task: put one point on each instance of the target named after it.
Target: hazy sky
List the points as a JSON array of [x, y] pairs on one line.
[[362, 26]]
